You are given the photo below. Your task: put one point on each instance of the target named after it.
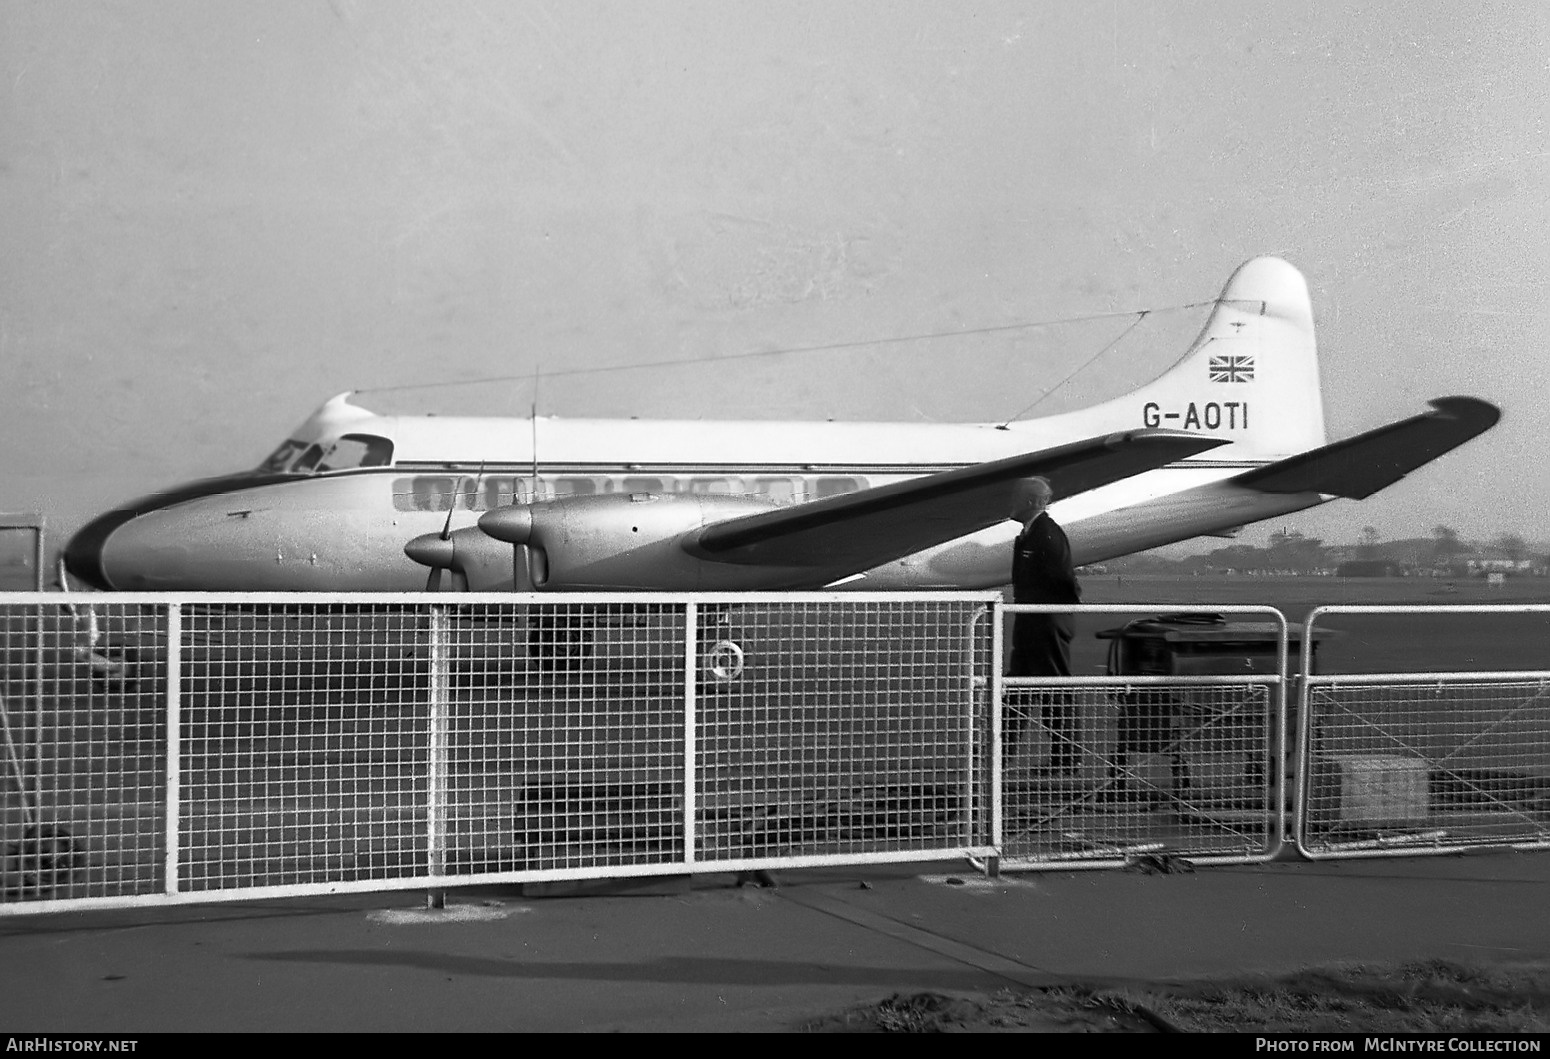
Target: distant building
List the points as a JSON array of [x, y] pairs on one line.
[[1369, 568], [1499, 564]]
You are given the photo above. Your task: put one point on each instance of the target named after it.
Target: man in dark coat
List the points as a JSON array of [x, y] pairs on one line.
[[1042, 572]]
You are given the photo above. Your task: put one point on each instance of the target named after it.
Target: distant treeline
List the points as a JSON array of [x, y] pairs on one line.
[[1443, 554]]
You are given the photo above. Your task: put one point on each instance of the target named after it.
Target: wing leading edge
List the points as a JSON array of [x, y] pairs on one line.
[[857, 531]]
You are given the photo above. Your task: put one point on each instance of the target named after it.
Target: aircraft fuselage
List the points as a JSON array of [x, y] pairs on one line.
[[345, 531]]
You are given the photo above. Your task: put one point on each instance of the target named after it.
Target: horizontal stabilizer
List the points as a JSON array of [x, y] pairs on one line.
[[1358, 467], [857, 531]]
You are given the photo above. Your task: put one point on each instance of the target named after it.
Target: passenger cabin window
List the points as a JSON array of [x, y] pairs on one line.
[[434, 492], [500, 491], [475, 492], [428, 493], [833, 486], [574, 487], [780, 490]]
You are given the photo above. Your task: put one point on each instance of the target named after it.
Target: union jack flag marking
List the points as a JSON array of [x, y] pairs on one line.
[[1232, 368]]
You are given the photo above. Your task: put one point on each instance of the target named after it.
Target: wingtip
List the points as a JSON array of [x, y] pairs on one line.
[[1472, 410]]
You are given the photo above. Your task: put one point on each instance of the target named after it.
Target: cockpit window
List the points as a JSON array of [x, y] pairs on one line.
[[341, 454], [357, 450], [281, 457], [308, 459]]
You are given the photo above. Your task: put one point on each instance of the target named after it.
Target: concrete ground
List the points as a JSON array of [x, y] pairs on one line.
[[705, 954]]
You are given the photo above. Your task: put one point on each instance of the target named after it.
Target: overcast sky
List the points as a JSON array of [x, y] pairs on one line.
[[217, 213]]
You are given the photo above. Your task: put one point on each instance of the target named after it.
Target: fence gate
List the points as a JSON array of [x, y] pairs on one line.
[[199, 747], [1177, 749], [1406, 763]]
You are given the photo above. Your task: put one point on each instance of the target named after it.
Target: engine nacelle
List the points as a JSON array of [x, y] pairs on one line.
[[630, 541]]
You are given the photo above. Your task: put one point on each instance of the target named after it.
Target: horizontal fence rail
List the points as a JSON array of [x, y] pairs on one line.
[[1175, 751], [198, 747], [1423, 762]]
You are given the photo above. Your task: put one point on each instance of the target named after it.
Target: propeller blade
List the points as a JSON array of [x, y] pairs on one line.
[[478, 480], [446, 527], [433, 582]]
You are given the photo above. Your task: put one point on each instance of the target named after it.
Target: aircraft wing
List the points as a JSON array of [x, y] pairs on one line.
[[1358, 467], [857, 531]]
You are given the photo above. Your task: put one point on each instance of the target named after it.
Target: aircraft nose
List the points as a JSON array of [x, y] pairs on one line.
[[87, 557]]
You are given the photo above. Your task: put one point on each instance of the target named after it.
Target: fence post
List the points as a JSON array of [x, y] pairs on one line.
[[172, 866], [997, 689], [691, 674], [436, 778]]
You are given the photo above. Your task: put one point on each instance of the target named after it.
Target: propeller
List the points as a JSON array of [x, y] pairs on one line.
[[436, 550], [442, 553], [439, 550]]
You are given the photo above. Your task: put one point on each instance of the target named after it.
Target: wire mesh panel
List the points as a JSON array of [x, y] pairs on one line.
[[1405, 763], [82, 723], [1177, 750], [304, 750], [1095, 773], [848, 732], [209, 747], [565, 742]]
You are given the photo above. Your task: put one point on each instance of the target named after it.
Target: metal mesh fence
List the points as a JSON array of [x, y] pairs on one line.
[[209, 747], [1177, 751], [565, 742], [858, 736], [82, 812], [204, 747], [1408, 762], [303, 755], [1099, 771], [1402, 765]]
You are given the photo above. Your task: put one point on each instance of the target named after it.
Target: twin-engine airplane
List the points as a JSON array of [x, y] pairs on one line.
[[1233, 433]]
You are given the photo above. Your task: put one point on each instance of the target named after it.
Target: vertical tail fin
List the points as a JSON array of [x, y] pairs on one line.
[[1251, 377]]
